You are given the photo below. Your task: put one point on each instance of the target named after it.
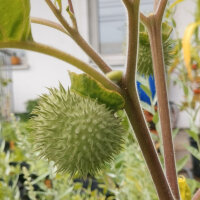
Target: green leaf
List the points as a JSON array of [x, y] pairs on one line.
[[175, 132], [193, 134], [146, 90], [15, 20], [194, 152], [166, 30], [87, 86], [156, 118], [181, 163]]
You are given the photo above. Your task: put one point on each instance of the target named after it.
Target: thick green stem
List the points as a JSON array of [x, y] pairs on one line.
[[155, 35], [142, 133], [48, 23], [41, 48]]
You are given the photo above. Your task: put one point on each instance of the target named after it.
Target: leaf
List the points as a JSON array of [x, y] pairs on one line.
[[166, 31], [87, 86], [181, 163], [146, 90], [194, 152], [193, 135], [156, 118], [175, 132], [175, 3], [15, 20]]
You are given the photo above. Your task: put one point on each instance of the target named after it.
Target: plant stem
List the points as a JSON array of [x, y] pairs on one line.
[[142, 133], [133, 22], [197, 195], [71, 6], [160, 11], [133, 108], [48, 50], [49, 23], [75, 35], [155, 35]]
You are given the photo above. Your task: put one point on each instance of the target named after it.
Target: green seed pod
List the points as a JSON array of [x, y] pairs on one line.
[[145, 66], [75, 132]]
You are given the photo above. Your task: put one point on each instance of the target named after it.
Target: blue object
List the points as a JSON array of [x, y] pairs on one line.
[[143, 96]]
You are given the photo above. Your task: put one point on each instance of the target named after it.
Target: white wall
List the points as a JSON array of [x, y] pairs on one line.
[[46, 71]]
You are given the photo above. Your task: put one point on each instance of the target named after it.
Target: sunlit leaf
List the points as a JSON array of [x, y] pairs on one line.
[[181, 163], [193, 134], [87, 86], [194, 152]]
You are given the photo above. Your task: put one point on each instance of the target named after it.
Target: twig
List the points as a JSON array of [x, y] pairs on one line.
[[73, 18], [155, 6], [161, 9], [49, 23], [71, 8], [79, 39], [153, 24], [196, 195], [48, 50]]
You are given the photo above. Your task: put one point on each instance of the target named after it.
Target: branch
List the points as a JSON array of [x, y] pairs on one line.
[[41, 48], [133, 24], [49, 23], [79, 40], [196, 195], [155, 36], [136, 118], [161, 9]]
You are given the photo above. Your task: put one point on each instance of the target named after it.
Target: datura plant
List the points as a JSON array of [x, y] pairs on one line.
[[79, 128]]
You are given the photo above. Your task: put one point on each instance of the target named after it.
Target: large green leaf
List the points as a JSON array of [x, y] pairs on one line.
[[87, 86], [15, 20]]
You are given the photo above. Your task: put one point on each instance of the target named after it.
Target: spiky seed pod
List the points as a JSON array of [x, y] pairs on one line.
[[145, 66], [75, 132]]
